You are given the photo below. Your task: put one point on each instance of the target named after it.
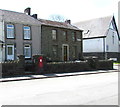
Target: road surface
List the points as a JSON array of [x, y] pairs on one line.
[[95, 89]]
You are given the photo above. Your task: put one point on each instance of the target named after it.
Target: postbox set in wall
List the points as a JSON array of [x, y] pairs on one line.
[[40, 63]]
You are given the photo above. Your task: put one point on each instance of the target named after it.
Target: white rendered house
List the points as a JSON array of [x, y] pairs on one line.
[[100, 38]]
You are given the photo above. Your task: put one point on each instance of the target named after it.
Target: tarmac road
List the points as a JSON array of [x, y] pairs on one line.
[[97, 89]]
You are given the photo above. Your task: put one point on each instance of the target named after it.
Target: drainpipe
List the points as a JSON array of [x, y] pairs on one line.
[[104, 48]]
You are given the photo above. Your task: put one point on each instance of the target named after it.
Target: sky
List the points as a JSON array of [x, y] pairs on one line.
[[75, 10]]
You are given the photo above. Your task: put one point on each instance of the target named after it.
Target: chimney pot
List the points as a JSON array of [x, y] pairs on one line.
[[34, 16], [27, 11], [68, 21]]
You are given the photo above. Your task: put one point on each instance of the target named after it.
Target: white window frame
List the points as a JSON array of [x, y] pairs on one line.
[[54, 34], [28, 35], [10, 56], [27, 46], [10, 34]]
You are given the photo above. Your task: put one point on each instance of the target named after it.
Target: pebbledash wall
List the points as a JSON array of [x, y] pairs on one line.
[[19, 20], [19, 41], [2, 40]]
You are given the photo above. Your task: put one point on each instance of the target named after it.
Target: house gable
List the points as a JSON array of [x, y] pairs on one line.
[[96, 27]]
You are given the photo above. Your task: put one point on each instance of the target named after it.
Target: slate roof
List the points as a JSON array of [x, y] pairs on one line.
[[11, 16], [58, 24], [96, 27], [17, 17]]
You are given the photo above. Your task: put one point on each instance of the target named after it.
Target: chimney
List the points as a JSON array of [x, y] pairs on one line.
[[34, 16], [68, 21], [27, 11]]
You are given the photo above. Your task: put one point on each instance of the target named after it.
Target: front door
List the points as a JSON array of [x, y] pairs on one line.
[[65, 52], [10, 52]]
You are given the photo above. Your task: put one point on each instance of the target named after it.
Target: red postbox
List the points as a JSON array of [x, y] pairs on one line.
[[40, 63]]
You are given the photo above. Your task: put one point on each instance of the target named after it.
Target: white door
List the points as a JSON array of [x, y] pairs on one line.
[[10, 52]]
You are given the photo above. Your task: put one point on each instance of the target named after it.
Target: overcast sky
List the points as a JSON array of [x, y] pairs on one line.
[[76, 10]]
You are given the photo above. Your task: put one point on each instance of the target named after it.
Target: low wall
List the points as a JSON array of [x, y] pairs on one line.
[[19, 67], [104, 65], [59, 67], [12, 68], [66, 67]]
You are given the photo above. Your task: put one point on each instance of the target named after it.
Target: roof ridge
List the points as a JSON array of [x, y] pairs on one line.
[[50, 20], [94, 19], [12, 11]]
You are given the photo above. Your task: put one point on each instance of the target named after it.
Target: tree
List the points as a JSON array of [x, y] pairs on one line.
[[56, 17]]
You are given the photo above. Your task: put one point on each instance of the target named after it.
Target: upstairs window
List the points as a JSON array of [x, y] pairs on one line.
[[27, 32], [65, 35], [10, 31], [54, 35], [74, 38]]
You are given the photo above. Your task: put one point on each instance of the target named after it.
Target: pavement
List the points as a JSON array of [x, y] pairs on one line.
[[30, 77]]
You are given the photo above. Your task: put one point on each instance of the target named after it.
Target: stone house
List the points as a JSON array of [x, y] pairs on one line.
[[101, 38], [61, 41], [25, 34], [20, 33]]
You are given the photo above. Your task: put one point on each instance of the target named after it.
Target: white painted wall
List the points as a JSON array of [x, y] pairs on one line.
[[112, 44], [97, 45], [1, 40], [2, 50], [93, 45]]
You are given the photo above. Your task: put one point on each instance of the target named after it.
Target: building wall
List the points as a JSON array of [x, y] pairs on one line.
[[48, 43], [19, 41], [112, 41], [2, 48], [119, 17], [1, 40], [93, 45], [119, 22]]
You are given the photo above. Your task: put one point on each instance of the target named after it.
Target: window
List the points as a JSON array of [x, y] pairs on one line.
[[27, 51], [113, 37], [55, 49], [74, 36], [74, 51], [65, 35], [27, 32], [10, 31], [107, 47], [54, 34], [10, 52]]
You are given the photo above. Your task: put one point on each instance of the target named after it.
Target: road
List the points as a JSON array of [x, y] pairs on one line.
[[95, 89]]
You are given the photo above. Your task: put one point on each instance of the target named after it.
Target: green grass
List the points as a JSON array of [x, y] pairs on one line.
[[116, 62]]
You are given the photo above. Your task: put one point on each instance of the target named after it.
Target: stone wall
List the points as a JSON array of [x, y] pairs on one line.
[[48, 43], [12, 68]]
